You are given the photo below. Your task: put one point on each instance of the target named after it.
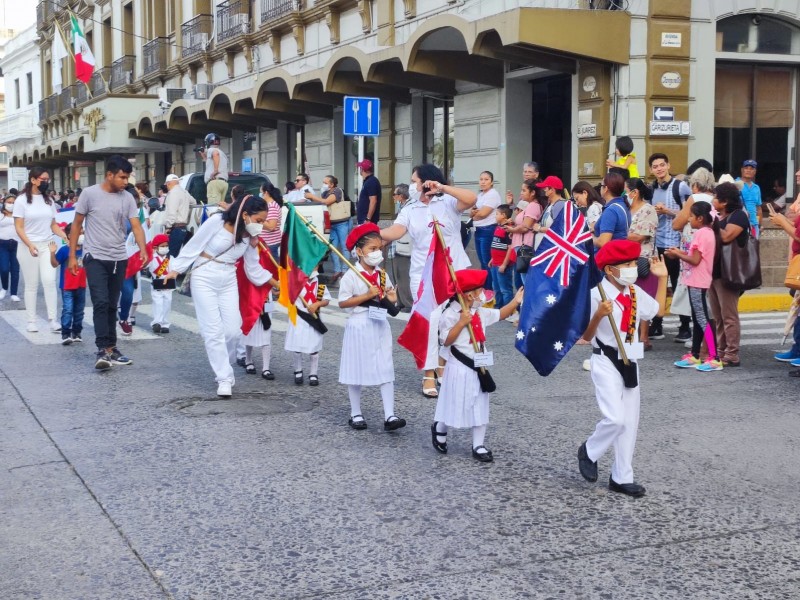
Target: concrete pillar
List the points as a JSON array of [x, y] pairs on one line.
[[236, 152], [516, 145]]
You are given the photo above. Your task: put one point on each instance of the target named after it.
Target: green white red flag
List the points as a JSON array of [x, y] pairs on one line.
[[84, 59]]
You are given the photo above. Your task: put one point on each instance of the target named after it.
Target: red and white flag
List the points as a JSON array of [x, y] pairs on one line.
[[420, 336], [84, 59]]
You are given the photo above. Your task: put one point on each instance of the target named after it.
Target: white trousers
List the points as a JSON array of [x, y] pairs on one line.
[[35, 269], [216, 300], [162, 304], [620, 408]]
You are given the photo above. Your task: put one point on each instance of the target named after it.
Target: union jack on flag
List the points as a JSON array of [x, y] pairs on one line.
[[564, 246]]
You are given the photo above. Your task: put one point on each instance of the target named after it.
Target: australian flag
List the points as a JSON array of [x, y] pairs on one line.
[[555, 311]]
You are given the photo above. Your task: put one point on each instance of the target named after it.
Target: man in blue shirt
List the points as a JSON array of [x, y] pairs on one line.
[[369, 198], [615, 221], [751, 194]]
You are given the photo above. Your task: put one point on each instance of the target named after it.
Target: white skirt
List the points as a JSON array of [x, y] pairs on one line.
[[366, 352], [258, 336], [461, 402], [302, 338]]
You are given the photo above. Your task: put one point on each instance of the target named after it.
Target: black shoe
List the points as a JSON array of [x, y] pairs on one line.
[[357, 423], [587, 467], [298, 377], [103, 362], [165, 330], [156, 328], [629, 489], [240, 361], [684, 335], [66, 339], [267, 374], [656, 333], [482, 456], [250, 368], [313, 380], [440, 446], [393, 422], [730, 363], [119, 359]]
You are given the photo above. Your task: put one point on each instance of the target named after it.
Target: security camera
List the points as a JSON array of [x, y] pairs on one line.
[[164, 104]]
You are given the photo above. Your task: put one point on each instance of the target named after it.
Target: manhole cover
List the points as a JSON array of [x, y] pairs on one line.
[[243, 403]]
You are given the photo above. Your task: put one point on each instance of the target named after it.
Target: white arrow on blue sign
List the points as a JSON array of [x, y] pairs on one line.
[[663, 113], [362, 116]]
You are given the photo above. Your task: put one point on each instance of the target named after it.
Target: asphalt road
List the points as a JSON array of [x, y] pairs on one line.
[[138, 483]]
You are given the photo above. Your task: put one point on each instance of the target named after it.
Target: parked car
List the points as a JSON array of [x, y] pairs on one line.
[[193, 183]]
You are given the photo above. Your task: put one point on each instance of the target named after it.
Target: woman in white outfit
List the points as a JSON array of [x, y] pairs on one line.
[[212, 254], [35, 222], [430, 197]]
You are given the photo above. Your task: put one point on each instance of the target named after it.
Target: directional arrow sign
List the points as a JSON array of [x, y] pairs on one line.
[[663, 113]]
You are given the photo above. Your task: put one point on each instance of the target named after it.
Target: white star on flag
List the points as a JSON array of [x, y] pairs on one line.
[[551, 299], [558, 346], [533, 329], [520, 335]]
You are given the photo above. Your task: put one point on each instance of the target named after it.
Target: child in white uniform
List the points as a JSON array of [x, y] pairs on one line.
[[302, 338], [161, 294], [260, 336], [464, 398], [367, 345], [617, 385]]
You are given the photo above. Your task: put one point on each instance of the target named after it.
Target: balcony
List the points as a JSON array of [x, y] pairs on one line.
[[99, 81], [45, 11], [65, 99], [52, 105], [122, 72], [21, 125], [272, 9], [195, 35], [233, 20], [80, 93], [42, 110], [155, 56]]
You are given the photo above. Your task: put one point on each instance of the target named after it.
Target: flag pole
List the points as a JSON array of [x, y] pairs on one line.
[[620, 347], [333, 248], [461, 300], [71, 53], [265, 248]]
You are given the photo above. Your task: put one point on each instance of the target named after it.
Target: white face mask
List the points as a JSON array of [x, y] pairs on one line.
[[80, 240], [10, 206], [627, 276], [479, 301], [413, 192], [163, 251], [374, 258], [323, 189], [253, 229]]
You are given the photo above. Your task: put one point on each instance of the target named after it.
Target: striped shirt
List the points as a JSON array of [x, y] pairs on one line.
[[272, 238]]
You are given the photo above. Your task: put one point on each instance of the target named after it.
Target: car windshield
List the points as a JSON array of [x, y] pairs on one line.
[[252, 182]]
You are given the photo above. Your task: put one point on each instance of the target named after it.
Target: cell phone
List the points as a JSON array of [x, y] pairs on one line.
[[771, 209]]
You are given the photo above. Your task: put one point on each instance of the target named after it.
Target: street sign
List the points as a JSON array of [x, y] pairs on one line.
[[362, 116], [247, 165], [587, 130], [670, 128], [18, 174], [663, 113]]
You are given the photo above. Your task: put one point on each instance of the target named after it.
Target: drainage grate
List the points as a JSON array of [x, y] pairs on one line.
[[243, 404]]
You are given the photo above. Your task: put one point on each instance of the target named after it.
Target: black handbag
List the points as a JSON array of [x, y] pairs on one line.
[[524, 256], [740, 266]]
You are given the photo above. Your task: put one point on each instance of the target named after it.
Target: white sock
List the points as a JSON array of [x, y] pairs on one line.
[[298, 362], [478, 435], [354, 391], [266, 354], [248, 355], [441, 428], [313, 366], [387, 395]]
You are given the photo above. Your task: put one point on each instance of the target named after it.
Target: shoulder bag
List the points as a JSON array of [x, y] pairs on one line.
[[524, 257], [339, 210], [740, 266], [792, 280]]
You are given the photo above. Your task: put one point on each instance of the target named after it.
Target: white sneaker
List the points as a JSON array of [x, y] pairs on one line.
[[32, 327], [687, 344], [2, 294], [587, 365], [55, 326], [15, 299], [225, 389]]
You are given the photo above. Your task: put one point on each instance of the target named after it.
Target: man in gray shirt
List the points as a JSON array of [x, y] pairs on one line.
[[104, 212]]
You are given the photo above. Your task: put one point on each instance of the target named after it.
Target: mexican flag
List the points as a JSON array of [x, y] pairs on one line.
[[301, 252], [84, 59]]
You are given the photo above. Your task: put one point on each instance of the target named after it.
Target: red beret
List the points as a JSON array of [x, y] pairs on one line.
[[471, 279], [616, 252], [360, 232], [161, 238]]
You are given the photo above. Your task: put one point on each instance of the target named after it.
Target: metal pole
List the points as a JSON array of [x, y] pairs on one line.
[[611, 320]]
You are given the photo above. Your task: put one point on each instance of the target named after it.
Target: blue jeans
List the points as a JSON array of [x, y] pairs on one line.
[[9, 266], [796, 335], [176, 238], [339, 231], [483, 246], [72, 304], [126, 298], [503, 286]]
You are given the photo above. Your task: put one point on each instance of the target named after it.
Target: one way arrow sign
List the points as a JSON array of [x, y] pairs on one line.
[[663, 113]]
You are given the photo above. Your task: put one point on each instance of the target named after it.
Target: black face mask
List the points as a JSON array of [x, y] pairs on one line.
[[43, 187]]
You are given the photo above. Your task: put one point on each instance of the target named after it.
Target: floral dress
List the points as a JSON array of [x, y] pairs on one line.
[[644, 222]]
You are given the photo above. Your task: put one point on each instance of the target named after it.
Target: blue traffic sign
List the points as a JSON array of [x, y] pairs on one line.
[[362, 116]]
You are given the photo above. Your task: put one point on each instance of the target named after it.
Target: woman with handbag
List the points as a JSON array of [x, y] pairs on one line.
[[793, 282], [734, 226], [332, 196], [522, 229], [644, 222]]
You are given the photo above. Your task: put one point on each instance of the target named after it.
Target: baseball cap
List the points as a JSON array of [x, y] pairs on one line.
[[171, 177], [750, 163], [365, 164], [551, 181]]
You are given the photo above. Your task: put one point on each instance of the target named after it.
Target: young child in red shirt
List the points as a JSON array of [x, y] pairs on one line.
[[502, 263]]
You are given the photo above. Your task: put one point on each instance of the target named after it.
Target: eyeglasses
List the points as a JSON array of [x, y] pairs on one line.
[[298, 180], [603, 185]]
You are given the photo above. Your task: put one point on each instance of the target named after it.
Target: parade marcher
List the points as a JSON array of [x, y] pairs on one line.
[[260, 336], [216, 173], [367, 344], [9, 264], [73, 291], [301, 337], [617, 384], [162, 291], [177, 206], [212, 253], [464, 397], [103, 211]]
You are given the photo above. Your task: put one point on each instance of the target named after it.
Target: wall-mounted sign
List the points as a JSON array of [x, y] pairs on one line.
[[247, 165], [670, 39], [589, 84], [663, 113], [670, 128], [671, 80], [588, 130]]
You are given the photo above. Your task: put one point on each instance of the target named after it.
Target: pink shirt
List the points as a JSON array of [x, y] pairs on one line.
[[699, 276], [534, 211], [271, 238]]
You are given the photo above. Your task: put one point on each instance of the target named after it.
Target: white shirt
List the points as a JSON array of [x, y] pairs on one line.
[[7, 229], [298, 195], [416, 216], [223, 164], [38, 217], [646, 309], [352, 285], [178, 203], [451, 315], [488, 198]]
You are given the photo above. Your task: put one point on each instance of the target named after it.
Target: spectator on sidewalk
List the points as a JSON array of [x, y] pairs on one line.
[[9, 264], [400, 254], [177, 205], [73, 290], [368, 207], [792, 356], [751, 195]]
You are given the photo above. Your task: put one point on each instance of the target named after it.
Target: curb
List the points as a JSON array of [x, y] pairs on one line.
[[753, 302]]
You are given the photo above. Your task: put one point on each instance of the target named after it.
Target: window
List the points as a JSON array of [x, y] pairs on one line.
[[3, 158], [29, 78], [16, 93], [755, 33]]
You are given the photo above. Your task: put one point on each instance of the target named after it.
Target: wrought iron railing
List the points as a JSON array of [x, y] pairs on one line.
[[155, 55], [80, 94], [52, 105], [272, 9], [196, 35], [42, 110], [99, 80], [65, 99], [45, 11], [122, 72], [233, 19]]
